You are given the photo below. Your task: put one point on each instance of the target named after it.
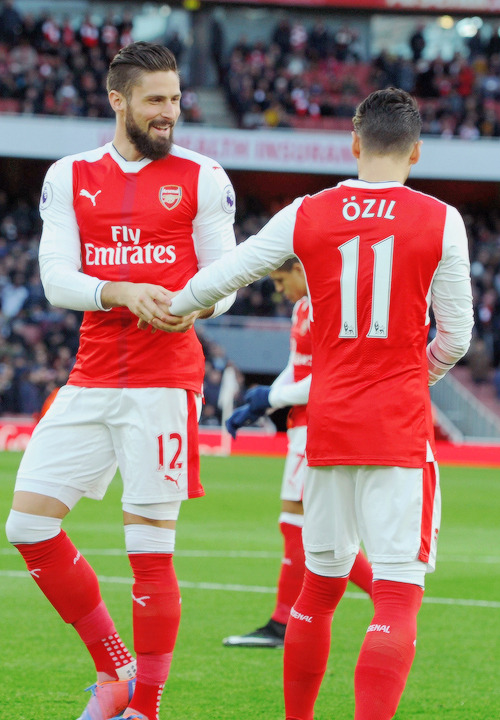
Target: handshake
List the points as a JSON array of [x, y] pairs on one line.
[[256, 403]]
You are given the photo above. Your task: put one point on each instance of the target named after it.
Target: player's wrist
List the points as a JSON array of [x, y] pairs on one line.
[[115, 294], [208, 312]]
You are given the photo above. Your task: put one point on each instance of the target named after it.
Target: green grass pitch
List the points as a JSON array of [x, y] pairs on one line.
[[227, 561]]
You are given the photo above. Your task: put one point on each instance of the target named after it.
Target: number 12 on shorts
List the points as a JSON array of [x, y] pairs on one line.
[[381, 289], [173, 449]]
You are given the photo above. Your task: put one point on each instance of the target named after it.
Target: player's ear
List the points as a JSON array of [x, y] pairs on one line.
[[299, 269], [415, 153], [355, 147], [116, 100]]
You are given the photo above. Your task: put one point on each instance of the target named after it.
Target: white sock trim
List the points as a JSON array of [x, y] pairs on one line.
[[149, 539], [23, 528]]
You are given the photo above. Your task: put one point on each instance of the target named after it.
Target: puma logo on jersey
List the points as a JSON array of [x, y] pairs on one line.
[[141, 600], [36, 572], [76, 558], [85, 193]]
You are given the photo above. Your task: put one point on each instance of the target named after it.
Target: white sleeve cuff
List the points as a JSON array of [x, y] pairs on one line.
[[97, 296], [296, 393]]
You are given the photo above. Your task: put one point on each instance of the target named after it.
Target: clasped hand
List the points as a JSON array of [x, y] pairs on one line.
[[151, 304]]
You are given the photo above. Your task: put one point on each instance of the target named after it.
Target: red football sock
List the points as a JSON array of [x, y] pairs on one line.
[[307, 642], [70, 584], [156, 617], [292, 572], [361, 573], [106, 647], [63, 575], [388, 650]]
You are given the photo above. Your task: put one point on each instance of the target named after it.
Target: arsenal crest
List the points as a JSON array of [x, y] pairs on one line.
[[170, 196]]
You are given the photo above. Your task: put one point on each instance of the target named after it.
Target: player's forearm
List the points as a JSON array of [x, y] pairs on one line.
[[211, 284], [454, 323], [66, 287], [444, 351], [251, 260], [451, 299], [296, 393]]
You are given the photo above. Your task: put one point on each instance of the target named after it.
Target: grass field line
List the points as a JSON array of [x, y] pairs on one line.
[[258, 554], [118, 580]]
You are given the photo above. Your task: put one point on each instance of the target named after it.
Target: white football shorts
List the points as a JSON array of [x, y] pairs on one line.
[[150, 434], [395, 511], [292, 485]]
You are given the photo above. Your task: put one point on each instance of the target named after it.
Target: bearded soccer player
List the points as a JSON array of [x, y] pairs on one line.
[[120, 224], [291, 388], [377, 256]]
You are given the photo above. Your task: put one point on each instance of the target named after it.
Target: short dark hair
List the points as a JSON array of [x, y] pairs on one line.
[[128, 65], [289, 264], [388, 121]]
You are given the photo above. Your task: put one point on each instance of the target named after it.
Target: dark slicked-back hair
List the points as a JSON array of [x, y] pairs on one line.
[[388, 121], [128, 66]]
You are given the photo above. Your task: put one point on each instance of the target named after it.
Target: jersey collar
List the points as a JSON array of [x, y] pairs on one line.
[[128, 166], [373, 185]]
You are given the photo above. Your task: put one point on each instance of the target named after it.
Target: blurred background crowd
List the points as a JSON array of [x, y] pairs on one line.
[[313, 78], [307, 75]]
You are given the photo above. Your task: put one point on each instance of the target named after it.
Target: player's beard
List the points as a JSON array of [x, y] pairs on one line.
[[152, 148]]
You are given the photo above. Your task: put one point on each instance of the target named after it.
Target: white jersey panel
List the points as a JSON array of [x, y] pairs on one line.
[[451, 298], [59, 252]]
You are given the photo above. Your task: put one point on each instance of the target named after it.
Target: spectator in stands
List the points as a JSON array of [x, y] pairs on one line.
[[319, 42], [14, 295], [344, 44], [176, 45], [282, 36], [417, 43], [89, 33], [217, 48], [11, 24]]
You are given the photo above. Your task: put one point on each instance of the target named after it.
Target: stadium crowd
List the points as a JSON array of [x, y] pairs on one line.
[[310, 77], [38, 342], [50, 67], [314, 78]]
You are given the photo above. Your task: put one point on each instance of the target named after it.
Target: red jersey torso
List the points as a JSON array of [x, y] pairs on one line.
[[301, 355], [369, 269], [136, 227]]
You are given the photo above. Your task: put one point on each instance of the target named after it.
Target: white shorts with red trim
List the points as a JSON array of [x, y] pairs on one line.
[[150, 434], [292, 485], [395, 511]]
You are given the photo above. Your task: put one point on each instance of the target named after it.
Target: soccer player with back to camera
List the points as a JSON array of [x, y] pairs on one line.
[[135, 216], [377, 255], [291, 388]]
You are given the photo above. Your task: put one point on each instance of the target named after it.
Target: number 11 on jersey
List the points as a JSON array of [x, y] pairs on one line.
[[381, 289]]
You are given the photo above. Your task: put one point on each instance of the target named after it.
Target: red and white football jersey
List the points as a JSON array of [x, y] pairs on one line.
[[377, 256], [292, 385], [143, 222], [369, 274]]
